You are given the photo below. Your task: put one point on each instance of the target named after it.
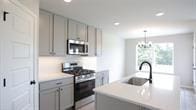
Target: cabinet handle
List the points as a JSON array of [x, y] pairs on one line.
[[61, 89], [59, 83], [52, 53], [4, 82]]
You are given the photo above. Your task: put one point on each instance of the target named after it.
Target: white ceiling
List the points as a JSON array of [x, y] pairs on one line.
[[134, 15]]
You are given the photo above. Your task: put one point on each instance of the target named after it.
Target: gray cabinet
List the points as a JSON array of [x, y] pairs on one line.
[[102, 78], [60, 35], [49, 99], [66, 97], [45, 33], [52, 34], [77, 30], [92, 40], [98, 42], [57, 94], [95, 41]]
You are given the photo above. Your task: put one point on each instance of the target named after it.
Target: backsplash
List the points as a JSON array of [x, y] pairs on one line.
[[52, 65]]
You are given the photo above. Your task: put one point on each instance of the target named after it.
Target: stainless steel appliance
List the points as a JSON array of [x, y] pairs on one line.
[[75, 47], [84, 83]]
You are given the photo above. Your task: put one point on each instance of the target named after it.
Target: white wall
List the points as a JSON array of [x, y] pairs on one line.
[[183, 55], [112, 58]]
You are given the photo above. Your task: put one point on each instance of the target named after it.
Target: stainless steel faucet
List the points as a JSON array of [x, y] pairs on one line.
[[140, 68]]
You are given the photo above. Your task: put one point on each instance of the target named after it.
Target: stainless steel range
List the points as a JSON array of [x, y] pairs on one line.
[[84, 80]]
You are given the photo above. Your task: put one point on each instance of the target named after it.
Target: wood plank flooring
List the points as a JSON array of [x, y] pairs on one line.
[[188, 101]]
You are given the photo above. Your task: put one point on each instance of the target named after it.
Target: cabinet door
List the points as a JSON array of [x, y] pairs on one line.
[[98, 42], [82, 31], [102, 78], [72, 30], [60, 35], [66, 97], [45, 33], [91, 40], [49, 99], [106, 77]]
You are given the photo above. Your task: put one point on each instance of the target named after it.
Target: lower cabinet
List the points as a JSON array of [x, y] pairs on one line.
[[49, 99], [104, 102], [56, 95], [102, 78], [66, 97]]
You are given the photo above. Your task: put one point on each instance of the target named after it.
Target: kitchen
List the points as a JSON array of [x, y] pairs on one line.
[[79, 51]]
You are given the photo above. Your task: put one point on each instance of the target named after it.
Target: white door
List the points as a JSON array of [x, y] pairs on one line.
[[17, 59]]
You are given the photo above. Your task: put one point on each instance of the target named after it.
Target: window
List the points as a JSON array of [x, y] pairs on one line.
[[160, 55]]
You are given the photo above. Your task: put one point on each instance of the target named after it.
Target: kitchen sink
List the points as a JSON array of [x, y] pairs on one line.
[[137, 81]]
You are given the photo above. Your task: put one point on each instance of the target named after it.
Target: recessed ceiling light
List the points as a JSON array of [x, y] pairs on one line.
[[116, 23], [68, 1], [160, 14]]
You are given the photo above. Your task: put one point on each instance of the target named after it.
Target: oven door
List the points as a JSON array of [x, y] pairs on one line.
[[84, 89]]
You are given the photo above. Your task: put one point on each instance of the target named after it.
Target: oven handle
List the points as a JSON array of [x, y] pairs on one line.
[[79, 81]]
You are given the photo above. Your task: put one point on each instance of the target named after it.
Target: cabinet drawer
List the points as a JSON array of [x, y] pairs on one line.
[[55, 83]]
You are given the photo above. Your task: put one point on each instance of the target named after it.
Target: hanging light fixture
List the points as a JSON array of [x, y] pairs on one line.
[[145, 43]]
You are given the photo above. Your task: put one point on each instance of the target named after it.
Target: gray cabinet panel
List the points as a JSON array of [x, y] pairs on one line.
[[60, 35], [72, 30], [82, 31], [45, 33], [102, 78], [53, 34], [91, 40], [57, 95], [98, 42], [77, 30], [49, 99], [108, 103], [66, 97]]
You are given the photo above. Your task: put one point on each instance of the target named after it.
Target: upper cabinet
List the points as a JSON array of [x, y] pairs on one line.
[[77, 30], [53, 34], [45, 33], [60, 35], [55, 30], [95, 41], [98, 42], [92, 40]]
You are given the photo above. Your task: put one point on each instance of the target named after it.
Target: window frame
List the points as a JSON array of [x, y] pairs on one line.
[[159, 72]]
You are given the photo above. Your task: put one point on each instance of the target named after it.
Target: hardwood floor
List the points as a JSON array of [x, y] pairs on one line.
[[188, 101]]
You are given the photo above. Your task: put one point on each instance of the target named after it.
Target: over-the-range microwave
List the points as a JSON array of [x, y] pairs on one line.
[[75, 47]]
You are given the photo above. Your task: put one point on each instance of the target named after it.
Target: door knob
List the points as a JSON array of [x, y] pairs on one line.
[[32, 82]]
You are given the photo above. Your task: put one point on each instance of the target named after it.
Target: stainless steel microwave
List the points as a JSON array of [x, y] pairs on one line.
[[75, 47]]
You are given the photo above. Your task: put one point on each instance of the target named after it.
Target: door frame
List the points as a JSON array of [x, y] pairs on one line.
[[35, 48]]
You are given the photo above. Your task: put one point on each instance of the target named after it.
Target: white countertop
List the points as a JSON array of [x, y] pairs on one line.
[[162, 94], [54, 76]]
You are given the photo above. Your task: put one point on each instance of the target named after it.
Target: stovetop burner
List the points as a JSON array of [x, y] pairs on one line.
[[79, 71], [80, 74]]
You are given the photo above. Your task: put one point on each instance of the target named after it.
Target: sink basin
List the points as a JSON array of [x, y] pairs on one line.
[[137, 81]]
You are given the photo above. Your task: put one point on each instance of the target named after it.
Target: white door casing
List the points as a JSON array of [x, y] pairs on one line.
[[17, 59]]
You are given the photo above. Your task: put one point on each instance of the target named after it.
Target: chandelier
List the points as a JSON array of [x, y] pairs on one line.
[[145, 43]]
